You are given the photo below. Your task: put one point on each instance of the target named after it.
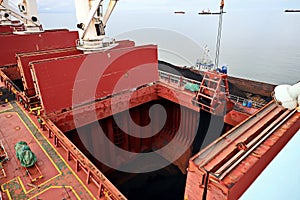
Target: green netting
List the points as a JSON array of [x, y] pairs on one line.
[[192, 87], [24, 154]]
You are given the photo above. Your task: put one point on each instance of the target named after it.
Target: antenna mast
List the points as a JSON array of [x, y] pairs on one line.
[[219, 35]]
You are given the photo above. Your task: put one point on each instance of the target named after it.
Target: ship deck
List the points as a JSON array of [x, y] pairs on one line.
[[56, 180]]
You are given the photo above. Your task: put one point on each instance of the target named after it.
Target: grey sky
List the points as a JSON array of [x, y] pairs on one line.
[[191, 5]]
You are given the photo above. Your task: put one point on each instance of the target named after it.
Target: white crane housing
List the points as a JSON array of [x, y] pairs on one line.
[[91, 24], [27, 13]]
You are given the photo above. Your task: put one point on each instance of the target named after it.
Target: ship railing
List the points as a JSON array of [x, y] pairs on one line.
[[180, 82], [175, 80], [242, 100], [106, 189]]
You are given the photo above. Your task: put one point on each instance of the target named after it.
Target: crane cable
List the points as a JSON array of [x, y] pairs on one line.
[[219, 35]]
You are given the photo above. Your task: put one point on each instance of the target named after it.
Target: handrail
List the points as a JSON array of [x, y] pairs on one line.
[[180, 81], [239, 99], [94, 175]]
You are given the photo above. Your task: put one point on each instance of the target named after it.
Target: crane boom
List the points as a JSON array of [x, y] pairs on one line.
[[28, 14]]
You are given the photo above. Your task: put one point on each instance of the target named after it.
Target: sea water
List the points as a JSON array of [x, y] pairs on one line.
[[262, 46]]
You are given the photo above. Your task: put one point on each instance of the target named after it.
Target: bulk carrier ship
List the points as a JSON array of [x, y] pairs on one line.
[[83, 117]]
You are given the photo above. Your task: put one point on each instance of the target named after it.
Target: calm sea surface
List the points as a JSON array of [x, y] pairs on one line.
[[263, 46], [258, 46]]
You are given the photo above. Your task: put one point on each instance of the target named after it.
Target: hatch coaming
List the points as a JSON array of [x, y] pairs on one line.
[[230, 164]]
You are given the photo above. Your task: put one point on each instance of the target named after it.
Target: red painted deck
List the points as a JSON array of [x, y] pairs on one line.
[[58, 176]]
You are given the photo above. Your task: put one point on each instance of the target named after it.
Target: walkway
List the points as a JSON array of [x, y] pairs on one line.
[[59, 180]]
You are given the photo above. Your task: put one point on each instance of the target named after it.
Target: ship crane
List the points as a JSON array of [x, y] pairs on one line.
[[91, 23], [219, 34], [4, 17], [213, 94], [27, 13]]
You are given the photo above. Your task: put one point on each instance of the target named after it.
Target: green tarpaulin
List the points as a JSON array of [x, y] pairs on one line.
[[192, 87], [24, 154]]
